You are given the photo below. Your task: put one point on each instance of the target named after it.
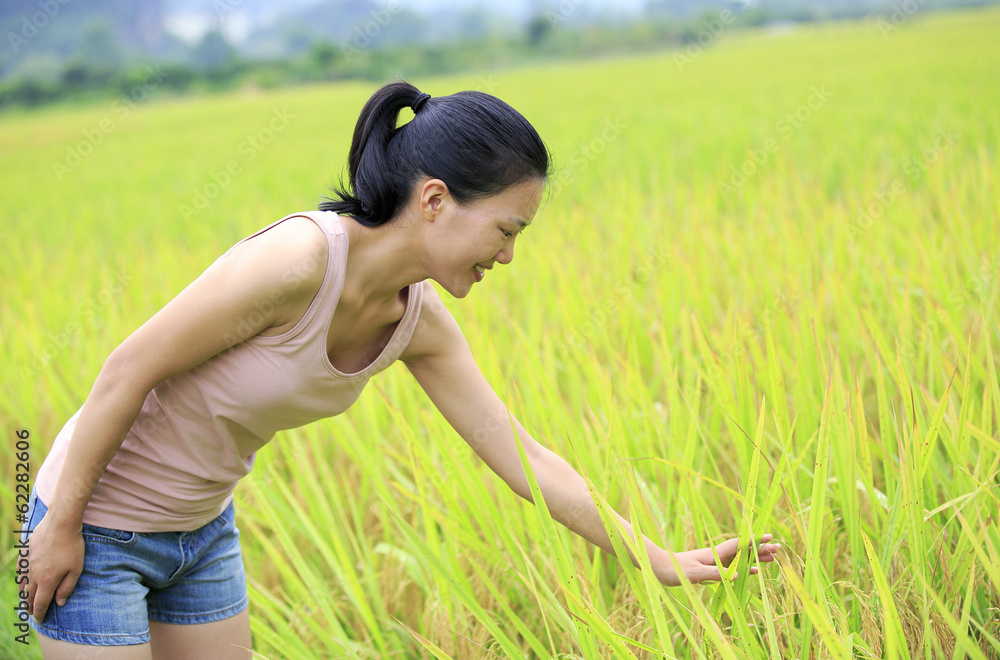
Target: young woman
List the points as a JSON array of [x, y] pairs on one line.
[[134, 553]]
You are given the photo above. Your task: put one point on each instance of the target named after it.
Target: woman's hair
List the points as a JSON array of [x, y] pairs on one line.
[[474, 142]]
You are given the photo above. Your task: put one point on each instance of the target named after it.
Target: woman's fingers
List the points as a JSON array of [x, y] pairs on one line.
[[703, 573], [56, 557], [768, 552], [699, 565], [727, 550], [32, 588], [39, 604], [49, 591], [66, 587]]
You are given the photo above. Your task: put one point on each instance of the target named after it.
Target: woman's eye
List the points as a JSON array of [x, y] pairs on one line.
[[506, 233]]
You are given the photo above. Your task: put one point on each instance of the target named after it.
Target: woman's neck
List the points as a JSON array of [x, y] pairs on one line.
[[381, 261]]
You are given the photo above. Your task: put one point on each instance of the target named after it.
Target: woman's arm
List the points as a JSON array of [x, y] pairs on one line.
[[257, 286], [440, 360]]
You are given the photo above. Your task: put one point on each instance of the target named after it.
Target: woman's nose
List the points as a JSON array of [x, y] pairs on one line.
[[506, 253]]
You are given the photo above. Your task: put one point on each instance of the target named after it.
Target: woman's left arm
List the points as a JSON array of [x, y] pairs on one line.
[[439, 358]]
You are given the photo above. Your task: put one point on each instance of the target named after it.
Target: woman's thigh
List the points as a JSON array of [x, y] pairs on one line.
[[54, 649], [228, 639]]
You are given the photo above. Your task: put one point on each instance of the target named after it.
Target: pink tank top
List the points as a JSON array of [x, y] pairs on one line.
[[198, 431]]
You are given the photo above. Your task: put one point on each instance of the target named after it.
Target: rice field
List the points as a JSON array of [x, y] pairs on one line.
[[761, 296]]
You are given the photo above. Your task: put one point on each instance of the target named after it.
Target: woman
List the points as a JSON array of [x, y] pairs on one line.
[[283, 329]]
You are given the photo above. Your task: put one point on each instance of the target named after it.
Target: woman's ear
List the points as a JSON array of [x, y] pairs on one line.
[[434, 196]]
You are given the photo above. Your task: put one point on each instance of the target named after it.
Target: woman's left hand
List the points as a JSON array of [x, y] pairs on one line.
[[699, 565]]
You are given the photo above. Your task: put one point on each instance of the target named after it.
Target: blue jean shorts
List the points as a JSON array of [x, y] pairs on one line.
[[132, 578]]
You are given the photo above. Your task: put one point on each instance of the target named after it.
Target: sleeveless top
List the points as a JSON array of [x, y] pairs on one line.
[[198, 431]]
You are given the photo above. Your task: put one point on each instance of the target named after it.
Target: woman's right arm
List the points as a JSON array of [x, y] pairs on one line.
[[266, 282]]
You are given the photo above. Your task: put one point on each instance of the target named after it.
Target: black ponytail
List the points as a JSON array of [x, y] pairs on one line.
[[474, 142]]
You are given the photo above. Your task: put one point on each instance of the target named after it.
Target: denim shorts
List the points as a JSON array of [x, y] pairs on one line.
[[132, 578]]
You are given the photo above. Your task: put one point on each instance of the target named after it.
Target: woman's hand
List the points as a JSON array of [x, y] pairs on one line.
[[699, 565], [56, 555]]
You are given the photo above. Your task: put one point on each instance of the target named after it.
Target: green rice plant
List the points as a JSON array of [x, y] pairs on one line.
[[761, 296]]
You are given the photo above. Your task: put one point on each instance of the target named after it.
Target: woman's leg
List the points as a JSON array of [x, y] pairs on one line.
[[228, 639], [203, 613], [53, 649]]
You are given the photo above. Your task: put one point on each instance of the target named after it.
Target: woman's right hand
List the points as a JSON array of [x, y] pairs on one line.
[[55, 553]]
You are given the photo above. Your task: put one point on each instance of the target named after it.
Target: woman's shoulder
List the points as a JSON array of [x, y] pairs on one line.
[[296, 236], [257, 286], [294, 254]]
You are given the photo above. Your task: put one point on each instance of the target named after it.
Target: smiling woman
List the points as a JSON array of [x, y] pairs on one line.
[[470, 149], [132, 537]]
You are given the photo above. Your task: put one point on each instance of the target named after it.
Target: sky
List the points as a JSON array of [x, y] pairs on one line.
[[190, 19], [521, 6]]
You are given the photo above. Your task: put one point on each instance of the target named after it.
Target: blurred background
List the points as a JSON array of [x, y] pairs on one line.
[[775, 218], [59, 49]]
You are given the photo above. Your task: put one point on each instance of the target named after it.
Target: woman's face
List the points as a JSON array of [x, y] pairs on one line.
[[469, 240]]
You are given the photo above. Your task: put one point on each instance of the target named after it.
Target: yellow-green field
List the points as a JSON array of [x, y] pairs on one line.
[[762, 296]]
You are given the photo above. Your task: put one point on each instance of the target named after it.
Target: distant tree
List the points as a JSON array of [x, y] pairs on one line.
[[324, 57], [212, 52], [475, 23], [539, 28], [43, 67], [405, 28], [100, 51], [298, 39], [754, 16]]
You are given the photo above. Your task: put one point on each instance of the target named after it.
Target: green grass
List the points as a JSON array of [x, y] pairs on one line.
[[716, 362]]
